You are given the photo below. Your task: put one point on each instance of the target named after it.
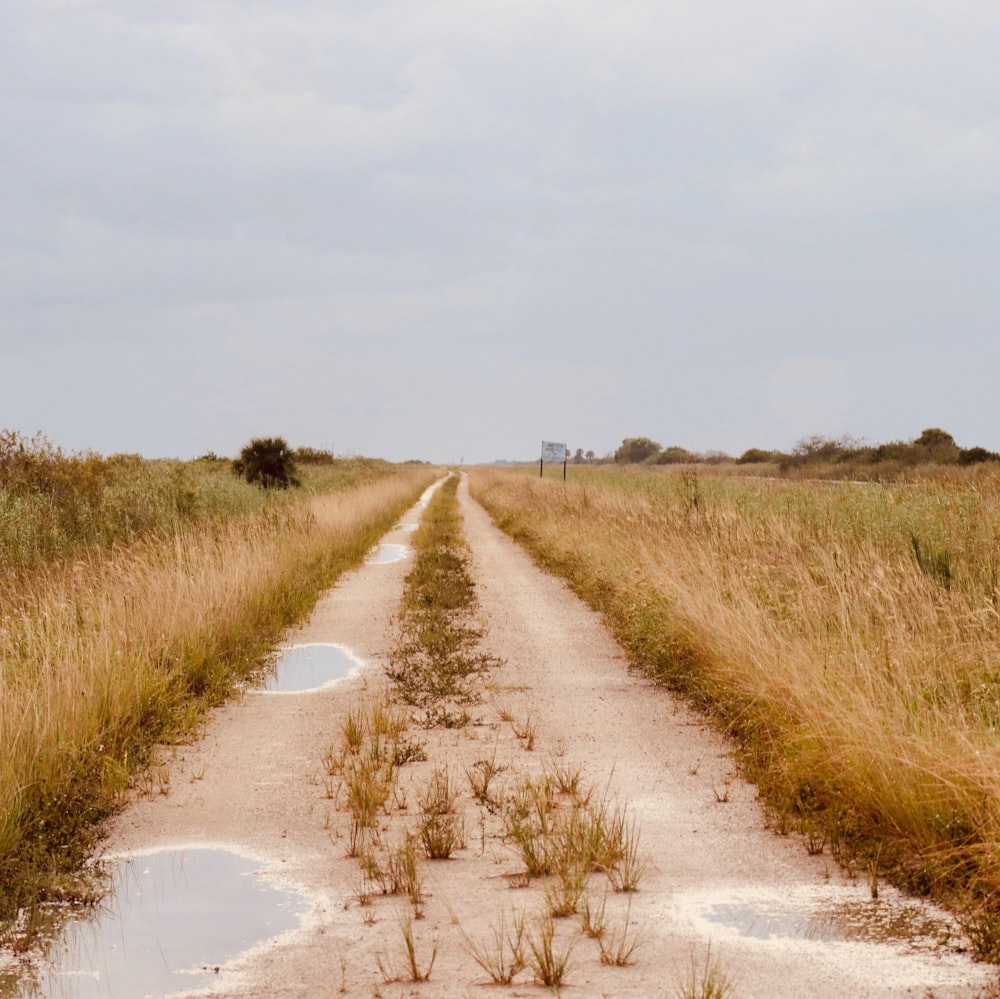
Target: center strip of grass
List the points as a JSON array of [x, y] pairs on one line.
[[436, 661]]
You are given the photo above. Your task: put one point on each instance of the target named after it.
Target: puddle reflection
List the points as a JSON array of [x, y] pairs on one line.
[[172, 919], [383, 554], [302, 668], [831, 916], [764, 921]]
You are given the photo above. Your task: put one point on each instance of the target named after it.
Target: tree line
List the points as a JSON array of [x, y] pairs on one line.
[[932, 446]]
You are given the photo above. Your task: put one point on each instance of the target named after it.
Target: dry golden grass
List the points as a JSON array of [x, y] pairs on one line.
[[848, 635], [103, 656]]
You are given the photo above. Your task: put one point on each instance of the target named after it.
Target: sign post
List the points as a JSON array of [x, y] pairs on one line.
[[552, 451]]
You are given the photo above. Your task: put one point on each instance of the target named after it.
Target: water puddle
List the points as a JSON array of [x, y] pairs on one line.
[[831, 915], [407, 527], [425, 496], [171, 921], [301, 668], [384, 554]]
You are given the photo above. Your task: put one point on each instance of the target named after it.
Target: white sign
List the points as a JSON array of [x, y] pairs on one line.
[[553, 452]]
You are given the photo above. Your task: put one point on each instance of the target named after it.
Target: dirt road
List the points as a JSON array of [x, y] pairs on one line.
[[779, 921]]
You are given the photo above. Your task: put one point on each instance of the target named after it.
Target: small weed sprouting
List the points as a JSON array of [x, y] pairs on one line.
[[333, 760], [413, 970], [563, 897], [704, 979], [399, 798], [548, 961], [592, 917], [403, 875], [440, 794], [722, 796], [815, 838], [407, 751], [532, 843], [386, 720], [567, 779], [628, 872], [408, 875], [392, 871], [480, 776], [342, 961], [416, 973], [874, 862], [441, 831], [525, 731], [365, 893], [504, 958], [353, 731], [441, 835], [367, 793], [618, 948]]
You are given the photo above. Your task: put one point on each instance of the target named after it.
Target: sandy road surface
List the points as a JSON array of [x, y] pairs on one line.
[[773, 914]]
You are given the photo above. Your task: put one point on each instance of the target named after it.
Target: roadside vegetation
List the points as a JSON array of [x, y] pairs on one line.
[[134, 594], [847, 635], [54, 504]]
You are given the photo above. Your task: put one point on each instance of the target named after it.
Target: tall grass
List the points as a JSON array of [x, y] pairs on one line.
[[104, 654], [848, 635], [52, 503]]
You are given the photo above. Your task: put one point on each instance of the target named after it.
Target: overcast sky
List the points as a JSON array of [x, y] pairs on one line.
[[452, 229]]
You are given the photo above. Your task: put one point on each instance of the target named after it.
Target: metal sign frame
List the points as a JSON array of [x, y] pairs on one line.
[[553, 451]]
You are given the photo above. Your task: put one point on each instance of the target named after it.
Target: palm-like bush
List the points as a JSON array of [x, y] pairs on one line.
[[268, 461]]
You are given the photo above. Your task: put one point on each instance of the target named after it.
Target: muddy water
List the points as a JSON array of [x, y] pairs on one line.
[[821, 914], [172, 919], [301, 668]]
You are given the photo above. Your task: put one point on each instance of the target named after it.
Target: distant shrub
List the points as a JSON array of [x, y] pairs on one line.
[[976, 455], [635, 450], [755, 456], [313, 456], [817, 449], [268, 462], [675, 455]]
